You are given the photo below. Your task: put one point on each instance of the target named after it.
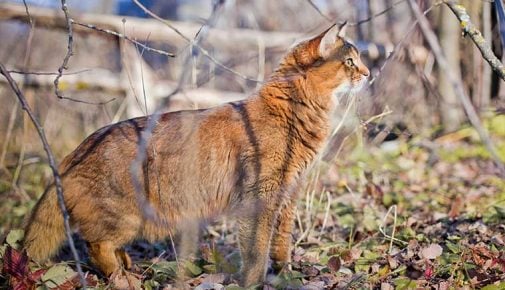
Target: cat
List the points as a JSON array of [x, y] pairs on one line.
[[246, 158]]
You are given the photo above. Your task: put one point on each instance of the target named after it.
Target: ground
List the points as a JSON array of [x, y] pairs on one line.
[[417, 212]]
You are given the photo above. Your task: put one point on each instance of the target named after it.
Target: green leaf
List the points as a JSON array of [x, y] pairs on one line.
[[151, 284], [362, 265], [193, 269], [500, 211], [387, 199], [2, 250], [370, 221], [164, 269], [14, 237], [347, 221], [57, 275], [405, 283], [499, 286], [371, 256], [233, 287], [453, 247]]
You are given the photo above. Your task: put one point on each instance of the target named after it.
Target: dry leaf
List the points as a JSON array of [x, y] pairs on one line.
[[334, 264], [456, 207], [431, 252]]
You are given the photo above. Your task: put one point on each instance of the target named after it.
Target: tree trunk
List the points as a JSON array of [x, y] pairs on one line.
[[449, 34], [486, 70]]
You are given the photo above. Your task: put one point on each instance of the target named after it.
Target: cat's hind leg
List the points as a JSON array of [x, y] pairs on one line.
[[123, 258], [103, 256]]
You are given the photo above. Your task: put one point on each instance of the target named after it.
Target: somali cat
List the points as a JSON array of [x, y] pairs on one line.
[[244, 158]]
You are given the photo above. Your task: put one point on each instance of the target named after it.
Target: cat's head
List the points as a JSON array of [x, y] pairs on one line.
[[331, 61]]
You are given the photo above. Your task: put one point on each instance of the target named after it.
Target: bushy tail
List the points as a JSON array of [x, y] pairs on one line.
[[45, 231]]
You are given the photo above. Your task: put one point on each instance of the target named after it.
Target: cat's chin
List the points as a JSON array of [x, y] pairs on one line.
[[346, 89], [358, 86]]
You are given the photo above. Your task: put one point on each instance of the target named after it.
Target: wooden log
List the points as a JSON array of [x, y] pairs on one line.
[[139, 28], [111, 83]]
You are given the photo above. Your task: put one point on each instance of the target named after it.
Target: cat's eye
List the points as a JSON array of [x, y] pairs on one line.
[[349, 62]]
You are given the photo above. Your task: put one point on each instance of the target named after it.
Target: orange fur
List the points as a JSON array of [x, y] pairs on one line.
[[245, 157]]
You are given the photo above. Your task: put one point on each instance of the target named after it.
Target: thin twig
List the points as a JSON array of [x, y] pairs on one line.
[[125, 50], [44, 73], [457, 85], [141, 62], [52, 163], [469, 29], [26, 62], [398, 46], [359, 22], [319, 11], [326, 214], [70, 44], [382, 228], [28, 13], [192, 43], [123, 36], [10, 127]]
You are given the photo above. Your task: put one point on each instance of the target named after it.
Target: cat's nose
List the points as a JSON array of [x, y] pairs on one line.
[[365, 72]]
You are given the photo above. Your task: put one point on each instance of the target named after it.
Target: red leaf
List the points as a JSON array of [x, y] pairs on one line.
[[15, 263], [20, 286], [428, 273], [35, 276]]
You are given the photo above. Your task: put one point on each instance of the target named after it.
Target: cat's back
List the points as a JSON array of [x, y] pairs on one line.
[[174, 133]]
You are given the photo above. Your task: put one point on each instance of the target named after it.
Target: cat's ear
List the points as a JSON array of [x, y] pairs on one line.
[[342, 29], [330, 37]]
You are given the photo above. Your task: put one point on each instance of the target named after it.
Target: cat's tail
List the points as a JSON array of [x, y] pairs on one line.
[[45, 231]]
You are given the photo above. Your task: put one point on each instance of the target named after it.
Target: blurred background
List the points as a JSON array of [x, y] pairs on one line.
[[409, 103]]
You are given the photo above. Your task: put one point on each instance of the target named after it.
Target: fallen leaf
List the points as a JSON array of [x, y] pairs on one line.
[[14, 237], [334, 264], [57, 275], [126, 281], [393, 263], [456, 207], [310, 271], [15, 263], [209, 286], [431, 252], [214, 278]]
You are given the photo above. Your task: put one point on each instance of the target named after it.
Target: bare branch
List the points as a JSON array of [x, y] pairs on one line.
[[70, 45], [123, 36], [476, 36], [45, 73], [28, 13], [52, 164], [378, 14], [398, 46], [196, 45], [456, 83], [319, 11]]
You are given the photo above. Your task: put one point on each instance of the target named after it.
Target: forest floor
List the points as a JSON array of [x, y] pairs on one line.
[[406, 214]]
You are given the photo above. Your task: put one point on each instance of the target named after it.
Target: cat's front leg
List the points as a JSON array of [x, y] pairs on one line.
[[280, 249], [255, 232]]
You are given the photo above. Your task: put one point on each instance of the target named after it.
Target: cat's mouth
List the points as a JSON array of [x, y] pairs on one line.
[[359, 85]]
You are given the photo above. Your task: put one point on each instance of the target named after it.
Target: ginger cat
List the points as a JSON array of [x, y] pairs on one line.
[[245, 157]]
